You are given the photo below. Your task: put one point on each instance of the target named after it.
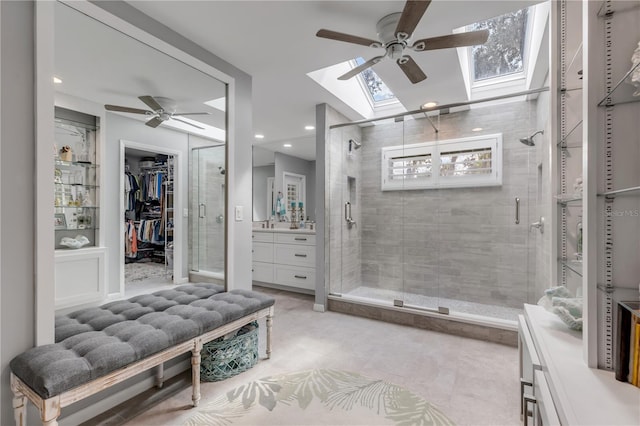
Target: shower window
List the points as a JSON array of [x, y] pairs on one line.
[[466, 162]]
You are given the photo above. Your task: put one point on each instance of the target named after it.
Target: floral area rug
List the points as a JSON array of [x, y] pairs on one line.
[[318, 397]]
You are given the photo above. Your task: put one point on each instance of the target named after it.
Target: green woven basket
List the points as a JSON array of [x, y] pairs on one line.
[[224, 358]]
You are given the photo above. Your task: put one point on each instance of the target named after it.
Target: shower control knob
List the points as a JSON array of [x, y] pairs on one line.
[[539, 225]]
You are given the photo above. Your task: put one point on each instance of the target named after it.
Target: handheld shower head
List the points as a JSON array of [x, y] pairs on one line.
[[529, 141]]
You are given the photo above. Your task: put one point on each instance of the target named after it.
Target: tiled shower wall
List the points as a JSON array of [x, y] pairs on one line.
[[458, 243]]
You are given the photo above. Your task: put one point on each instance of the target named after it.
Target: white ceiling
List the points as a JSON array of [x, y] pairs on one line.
[[274, 42]]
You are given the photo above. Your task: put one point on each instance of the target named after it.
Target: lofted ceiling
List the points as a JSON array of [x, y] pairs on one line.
[[275, 43]]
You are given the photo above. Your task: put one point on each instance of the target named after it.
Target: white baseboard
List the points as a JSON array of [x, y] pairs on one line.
[[318, 307]]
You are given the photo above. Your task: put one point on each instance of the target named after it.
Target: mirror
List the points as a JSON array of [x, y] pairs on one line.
[[98, 65], [280, 179]]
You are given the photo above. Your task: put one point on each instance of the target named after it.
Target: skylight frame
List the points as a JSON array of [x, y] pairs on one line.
[[365, 88], [510, 77]]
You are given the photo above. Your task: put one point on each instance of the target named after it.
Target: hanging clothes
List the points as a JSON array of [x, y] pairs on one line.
[[131, 240]]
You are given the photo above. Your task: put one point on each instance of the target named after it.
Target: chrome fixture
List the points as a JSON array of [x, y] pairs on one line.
[[539, 225], [222, 170], [529, 141], [347, 215], [353, 145]]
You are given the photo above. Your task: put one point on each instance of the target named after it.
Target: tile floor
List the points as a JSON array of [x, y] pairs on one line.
[[473, 382]]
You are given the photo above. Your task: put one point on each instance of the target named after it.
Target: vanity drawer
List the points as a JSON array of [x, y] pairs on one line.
[[263, 237], [262, 272], [295, 276], [290, 238], [297, 255], [262, 252]]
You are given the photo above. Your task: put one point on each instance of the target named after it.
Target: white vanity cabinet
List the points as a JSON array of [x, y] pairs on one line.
[[557, 386], [285, 258]]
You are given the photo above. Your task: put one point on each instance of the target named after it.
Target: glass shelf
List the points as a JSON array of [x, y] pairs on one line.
[[573, 74], [573, 265], [574, 199], [623, 92], [563, 143], [77, 185], [75, 207], [75, 164], [617, 7], [86, 228], [619, 191]]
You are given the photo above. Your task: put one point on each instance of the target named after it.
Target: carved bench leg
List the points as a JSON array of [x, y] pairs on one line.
[[19, 404], [50, 411], [269, 330], [195, 372], [160, 376]]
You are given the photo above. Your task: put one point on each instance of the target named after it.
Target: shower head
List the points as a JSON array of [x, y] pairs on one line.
[[354, 144], [529, 141]]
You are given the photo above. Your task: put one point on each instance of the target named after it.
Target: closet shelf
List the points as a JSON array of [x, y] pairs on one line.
[[563, 142], [619, 191], [74, 165], [573, 265], [86, 228], [622, 92], [569, 198], [617, 8]]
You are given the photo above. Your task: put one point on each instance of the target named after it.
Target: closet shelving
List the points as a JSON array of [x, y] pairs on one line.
[[569, 146], [157, 207], [615, 110], [76, 188]]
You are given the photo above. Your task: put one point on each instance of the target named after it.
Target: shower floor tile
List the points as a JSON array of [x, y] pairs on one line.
[[480, 309]]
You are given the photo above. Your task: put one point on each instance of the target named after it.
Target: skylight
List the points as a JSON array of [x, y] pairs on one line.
[[503, 53], [375, 87]]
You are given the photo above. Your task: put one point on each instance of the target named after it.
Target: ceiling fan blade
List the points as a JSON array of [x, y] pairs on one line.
[[154, 122], [191, 113], [186, 122], [126, 109], [452, 40], [411, 69], [151, 102], [334, 35], [357, 70], [411, 15]]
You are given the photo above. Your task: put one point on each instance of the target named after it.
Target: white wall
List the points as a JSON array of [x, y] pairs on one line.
[[260, 175], [17, 204]]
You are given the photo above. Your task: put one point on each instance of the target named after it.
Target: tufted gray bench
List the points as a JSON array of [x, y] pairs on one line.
[[99, 347]]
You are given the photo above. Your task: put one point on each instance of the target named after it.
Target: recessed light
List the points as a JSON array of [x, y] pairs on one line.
[[287, 145], [429, 105], [309, 127], [476, 129], [259, 136], [56, 80]]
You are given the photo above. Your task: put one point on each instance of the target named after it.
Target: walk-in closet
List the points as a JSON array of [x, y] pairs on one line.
[[148, 217]]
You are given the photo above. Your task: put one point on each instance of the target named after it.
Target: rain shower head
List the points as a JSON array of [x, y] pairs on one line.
[[529, 141]]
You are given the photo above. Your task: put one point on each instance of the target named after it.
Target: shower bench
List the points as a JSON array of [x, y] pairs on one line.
[[97, 348]]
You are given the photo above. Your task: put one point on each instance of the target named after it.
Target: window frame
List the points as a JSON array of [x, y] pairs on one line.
[[436, 149]]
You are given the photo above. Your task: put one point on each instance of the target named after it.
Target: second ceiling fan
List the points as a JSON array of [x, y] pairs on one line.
[[162, 109], [394, 32]]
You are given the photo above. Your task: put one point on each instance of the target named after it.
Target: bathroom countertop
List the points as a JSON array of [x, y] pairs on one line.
[[286, 230]]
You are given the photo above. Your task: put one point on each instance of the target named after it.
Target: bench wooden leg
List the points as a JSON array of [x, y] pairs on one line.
[[195, 372], [269, 330], [50, 411], [160, 376], [19, 404]]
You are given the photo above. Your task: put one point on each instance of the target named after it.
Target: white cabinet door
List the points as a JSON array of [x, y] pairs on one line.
[[262, 272], [263, 252]]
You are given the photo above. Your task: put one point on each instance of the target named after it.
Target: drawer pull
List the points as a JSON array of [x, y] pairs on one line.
[[300, 255], [302, 277], [300, 239]]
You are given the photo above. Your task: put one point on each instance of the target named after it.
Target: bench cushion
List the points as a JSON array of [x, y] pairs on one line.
[[93, 342]]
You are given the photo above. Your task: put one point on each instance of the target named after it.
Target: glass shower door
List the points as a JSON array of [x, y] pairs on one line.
[[208, 208]]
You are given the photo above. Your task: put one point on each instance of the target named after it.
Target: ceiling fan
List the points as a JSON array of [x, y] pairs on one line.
[[394, 32], [162, 109]]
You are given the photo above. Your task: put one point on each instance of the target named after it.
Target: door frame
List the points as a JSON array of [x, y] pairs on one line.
[[178, 225]]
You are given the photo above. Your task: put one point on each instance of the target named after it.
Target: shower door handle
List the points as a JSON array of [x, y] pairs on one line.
[[517, 211], [347, 211], [202, 210]]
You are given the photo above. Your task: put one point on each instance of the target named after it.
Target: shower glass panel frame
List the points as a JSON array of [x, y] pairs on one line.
[[456, 251], [207, 207]]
